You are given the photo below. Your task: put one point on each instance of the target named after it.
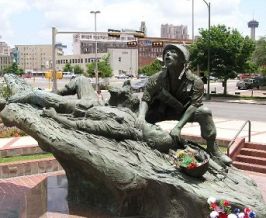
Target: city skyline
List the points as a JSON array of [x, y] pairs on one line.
[[31, 21]]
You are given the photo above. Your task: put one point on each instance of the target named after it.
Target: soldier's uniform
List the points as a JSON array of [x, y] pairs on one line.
[[189, 91]]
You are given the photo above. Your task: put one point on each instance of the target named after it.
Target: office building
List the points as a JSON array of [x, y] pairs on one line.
[[174, 32], [34, 57]]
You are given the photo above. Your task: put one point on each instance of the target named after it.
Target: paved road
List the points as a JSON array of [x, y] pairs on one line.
[[251, 112]]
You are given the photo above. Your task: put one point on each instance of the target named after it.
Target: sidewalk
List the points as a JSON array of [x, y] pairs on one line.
[[239, 101]]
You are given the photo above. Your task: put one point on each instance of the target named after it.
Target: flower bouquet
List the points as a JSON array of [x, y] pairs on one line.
[[192, 162], [223, 209]]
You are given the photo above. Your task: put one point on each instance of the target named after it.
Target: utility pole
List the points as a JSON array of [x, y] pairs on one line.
[[96, 61], [209, 49], [54, 88]]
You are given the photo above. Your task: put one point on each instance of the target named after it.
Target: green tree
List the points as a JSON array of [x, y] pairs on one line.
[[68, 68], [13, 68], [78, 69], [262, 70], [151, 69], [104, 68], [259, 55], [229, 52], [250, 67]]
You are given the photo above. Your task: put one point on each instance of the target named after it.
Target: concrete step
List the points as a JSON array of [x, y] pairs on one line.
[[255, 146], [250, 167], [253, 152], [251, 159]]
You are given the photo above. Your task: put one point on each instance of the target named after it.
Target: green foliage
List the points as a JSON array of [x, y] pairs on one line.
[[13, 68], [250, 67], [78, 70], [262, 70], [150, 69], [104, 68], [259, 55], [4, 91], [68, 68], [229, 52], [25, 158]]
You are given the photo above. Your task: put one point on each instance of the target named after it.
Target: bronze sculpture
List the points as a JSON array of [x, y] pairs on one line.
[[176, 94], [120, 171]]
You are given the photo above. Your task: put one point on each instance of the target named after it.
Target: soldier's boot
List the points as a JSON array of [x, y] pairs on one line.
[[213, 150]]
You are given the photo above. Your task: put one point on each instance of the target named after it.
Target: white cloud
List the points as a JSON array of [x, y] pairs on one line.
[[118, 14]]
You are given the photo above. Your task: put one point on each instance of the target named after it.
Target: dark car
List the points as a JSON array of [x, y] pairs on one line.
[[139, 86]]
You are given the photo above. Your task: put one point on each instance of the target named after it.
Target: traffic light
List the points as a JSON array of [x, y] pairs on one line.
[[139, 34], [157, 44], [114, 33], [132, 44]]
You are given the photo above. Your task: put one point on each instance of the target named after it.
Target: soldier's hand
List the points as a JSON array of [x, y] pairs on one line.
[[140, 122], [175, 134]]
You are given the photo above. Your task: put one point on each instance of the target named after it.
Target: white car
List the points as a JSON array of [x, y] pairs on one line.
[[69, 75], [122, 76]]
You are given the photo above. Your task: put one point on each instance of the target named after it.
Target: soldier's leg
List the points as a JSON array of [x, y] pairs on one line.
[[81, 86], [203, 116]]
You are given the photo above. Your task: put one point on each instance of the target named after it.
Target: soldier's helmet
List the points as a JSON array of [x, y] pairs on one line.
[[180, 48]]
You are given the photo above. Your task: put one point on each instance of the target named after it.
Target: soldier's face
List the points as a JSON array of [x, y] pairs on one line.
[[171, 58]]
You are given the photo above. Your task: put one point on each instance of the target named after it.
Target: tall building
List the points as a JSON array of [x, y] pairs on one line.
[[4, 49], [253, 24], [174, 32], [5, 61], [5, 58], [35, 57], [143, 28], [85, 43]]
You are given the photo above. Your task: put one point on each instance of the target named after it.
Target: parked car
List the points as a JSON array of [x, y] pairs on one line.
[[142, 76], [69, 75], [121, 76], [139, 86], [247, 84]]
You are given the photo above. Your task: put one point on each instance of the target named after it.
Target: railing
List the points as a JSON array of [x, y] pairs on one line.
[[242, 127]]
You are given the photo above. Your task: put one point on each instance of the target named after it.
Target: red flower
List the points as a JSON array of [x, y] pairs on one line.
[[226, 203], [247, 210], [192, 165], [213, 205], [222, 215]]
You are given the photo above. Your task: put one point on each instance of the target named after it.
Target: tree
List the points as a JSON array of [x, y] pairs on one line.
[[68, 68], [151, 69], [259, 55], [229, 52], [13, 68], [78, 69], [104, 68]]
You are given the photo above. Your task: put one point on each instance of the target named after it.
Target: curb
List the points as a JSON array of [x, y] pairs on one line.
[[237, 101]]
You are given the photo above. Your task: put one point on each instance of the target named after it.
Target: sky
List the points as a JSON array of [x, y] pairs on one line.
[[31, 21]]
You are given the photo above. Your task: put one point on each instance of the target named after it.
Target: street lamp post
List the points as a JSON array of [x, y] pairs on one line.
[[96, 64], [192, 21], [209, 49], [54, 88]]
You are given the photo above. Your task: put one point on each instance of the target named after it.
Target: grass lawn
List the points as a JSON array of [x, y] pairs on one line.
[[25, 158]]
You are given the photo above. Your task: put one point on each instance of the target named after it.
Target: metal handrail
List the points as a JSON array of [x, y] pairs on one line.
[[242, 127]]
